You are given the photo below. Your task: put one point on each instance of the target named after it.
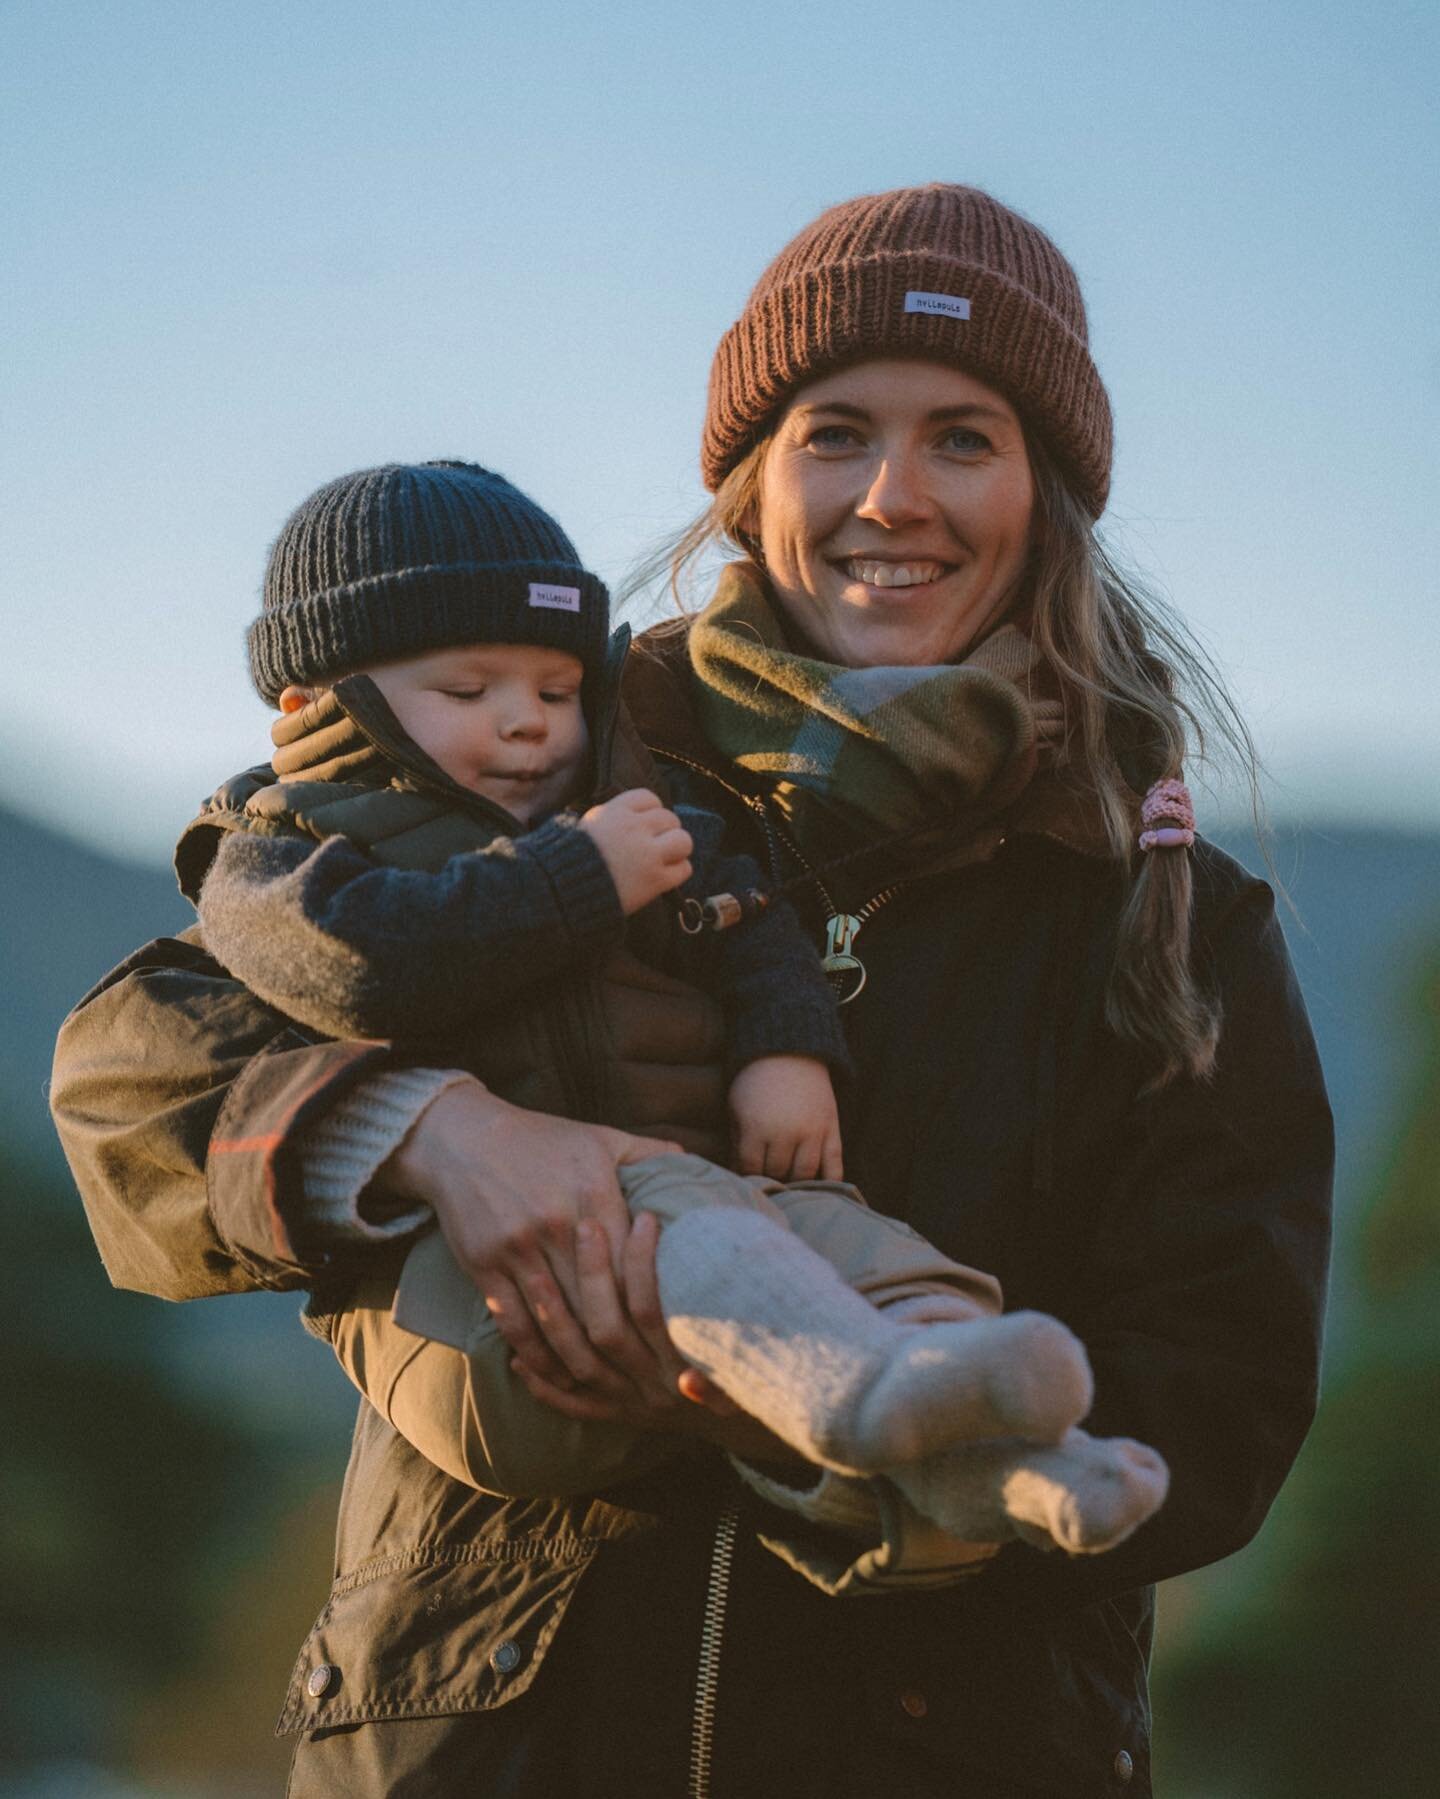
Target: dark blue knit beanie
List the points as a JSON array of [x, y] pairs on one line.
[[393, 561]]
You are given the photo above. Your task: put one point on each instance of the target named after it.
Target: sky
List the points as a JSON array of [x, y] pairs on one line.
[[248, 248]]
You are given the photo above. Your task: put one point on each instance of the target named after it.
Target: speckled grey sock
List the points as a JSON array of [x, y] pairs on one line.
[[775, 1326], [1084, 1494]]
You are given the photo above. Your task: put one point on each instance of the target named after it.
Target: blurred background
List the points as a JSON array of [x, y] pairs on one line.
[[250, 248]]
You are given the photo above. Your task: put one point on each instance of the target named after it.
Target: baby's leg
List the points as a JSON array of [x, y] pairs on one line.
[[450, 1393], [1083, 1494], [777, 1328], [886, 1262]]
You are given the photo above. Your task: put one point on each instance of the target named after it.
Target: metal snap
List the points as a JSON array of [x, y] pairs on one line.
[[915, 1704], [1124, 1765], [320, 1679], [505, 1657]]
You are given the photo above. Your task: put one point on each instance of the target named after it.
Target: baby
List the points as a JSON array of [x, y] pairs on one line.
[[438, 855]]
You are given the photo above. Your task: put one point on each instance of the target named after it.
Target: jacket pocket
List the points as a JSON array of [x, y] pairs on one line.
[[432, 1632]]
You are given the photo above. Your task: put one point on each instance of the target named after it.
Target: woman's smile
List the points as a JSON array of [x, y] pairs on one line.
[[884, 573]]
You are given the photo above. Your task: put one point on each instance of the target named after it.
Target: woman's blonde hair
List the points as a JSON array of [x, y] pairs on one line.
[[1139, 695]]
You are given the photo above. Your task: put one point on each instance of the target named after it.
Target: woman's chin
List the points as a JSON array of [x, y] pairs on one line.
[[893, 635]]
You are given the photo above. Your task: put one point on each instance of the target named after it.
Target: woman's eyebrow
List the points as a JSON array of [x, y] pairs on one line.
[[844, 409], [973, 409]]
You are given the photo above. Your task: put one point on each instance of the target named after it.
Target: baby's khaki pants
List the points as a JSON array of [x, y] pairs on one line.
[[427, 1354]]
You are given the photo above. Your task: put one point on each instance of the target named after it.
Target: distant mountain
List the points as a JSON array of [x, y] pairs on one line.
[[68, 913]]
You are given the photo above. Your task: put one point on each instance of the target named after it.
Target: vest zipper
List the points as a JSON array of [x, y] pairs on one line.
[[712, 1631]]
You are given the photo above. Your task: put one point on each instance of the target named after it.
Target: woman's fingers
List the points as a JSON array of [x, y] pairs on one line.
[[515, 1324], [637, 1381], [627, 1147], [702, 1391], [642, 1302], [602, 1311], [511, 1190], [586, 1407], [557, 1327]]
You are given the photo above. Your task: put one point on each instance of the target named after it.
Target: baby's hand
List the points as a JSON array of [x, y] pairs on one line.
[[784, 1120], [645, 847]]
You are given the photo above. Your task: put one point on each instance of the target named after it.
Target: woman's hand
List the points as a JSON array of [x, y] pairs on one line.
[[661, 1391], [509, 1189], [784, 1120]]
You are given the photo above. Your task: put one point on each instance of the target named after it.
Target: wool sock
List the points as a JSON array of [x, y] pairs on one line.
[[1083, 1495], [772, 1323]]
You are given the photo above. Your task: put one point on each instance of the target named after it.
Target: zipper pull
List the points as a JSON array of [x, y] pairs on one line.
[[840, 962]]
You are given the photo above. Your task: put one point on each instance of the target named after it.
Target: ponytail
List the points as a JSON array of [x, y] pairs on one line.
[[1153, 997], [1137, 693]]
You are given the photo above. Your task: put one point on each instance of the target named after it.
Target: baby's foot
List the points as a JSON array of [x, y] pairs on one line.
[[774, 1325], [1087, 1495], [1083, 1495], [1021, 1375]]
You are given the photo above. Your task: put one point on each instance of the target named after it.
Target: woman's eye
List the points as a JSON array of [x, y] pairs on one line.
[[833, 437], [967, 442]]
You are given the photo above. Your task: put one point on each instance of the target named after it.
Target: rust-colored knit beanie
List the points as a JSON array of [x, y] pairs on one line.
[[941, 272]]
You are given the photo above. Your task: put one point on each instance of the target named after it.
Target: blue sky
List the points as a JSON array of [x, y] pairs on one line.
[[249, 247]]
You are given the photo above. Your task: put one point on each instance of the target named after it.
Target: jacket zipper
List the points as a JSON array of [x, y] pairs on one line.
[[841, 928], [712, 1631], [776, 837]]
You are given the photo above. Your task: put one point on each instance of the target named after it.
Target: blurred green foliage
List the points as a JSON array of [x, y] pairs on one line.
[[1318, 1676], [136, 1526]]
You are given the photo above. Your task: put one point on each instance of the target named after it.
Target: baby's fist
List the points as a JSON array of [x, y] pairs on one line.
[[645, 846], [784, 1121]]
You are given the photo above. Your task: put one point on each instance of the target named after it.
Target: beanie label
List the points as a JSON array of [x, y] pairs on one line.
[[947, 304], [563, 599]]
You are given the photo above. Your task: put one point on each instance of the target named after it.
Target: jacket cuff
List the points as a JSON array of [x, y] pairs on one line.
[[794, 1025], [838, 1502], [585, 895], [341, 1152], [906, 1553]]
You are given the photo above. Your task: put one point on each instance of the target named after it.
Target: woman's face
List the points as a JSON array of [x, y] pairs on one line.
[[895, 507]]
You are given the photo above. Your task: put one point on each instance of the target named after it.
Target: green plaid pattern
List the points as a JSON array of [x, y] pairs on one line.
[[863, 752]]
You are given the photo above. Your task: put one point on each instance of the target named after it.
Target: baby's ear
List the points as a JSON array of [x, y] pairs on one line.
[[293, 698]]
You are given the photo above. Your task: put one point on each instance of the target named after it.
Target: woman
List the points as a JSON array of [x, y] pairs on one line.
[[1081, 1064]]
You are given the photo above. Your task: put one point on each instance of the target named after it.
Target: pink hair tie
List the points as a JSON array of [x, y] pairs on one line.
[[1167, 815]]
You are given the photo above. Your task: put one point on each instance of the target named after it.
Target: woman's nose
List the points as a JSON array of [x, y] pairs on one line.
[[897, 495]]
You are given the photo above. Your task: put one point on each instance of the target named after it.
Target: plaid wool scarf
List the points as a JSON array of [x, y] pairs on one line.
[[859, 754]]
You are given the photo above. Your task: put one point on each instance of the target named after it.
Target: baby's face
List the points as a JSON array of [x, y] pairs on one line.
[[503, 720]]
